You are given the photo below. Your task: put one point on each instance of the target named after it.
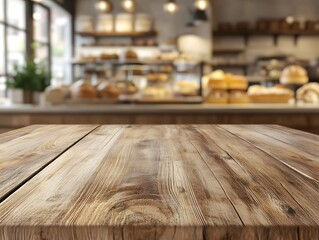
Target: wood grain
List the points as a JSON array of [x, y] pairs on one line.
[[171, 182], [25, 151]]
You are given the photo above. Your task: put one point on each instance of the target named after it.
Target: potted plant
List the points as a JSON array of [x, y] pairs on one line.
[[26, 81]]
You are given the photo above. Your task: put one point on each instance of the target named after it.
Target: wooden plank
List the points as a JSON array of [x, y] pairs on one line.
[[256, 201], [8, 136], [297, 153], [26, 151], [300, 140], [166, 182], [132, 177], [5, 130], [289, 196]]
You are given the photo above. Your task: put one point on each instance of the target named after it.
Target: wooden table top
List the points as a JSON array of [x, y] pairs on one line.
[[159, 182]]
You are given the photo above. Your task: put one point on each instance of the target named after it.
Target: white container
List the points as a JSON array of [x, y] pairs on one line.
[[124, 23], [143, 23], [84, 24], [16, 96], [105, 23]]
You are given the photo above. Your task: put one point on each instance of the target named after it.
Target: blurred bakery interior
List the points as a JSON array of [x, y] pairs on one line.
[[159, 62]]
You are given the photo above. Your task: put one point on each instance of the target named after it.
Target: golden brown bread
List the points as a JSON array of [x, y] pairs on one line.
[[260, 94], [83, 90], [217, 97], [294, 75], [108, 90], [309, 93]]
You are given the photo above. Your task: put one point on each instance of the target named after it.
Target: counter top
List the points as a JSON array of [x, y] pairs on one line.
[[159, 182], [160, 108]]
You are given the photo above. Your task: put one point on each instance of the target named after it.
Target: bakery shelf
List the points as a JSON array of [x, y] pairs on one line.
[[228, 51], [123, 62], [239, 65], [117, 46], [96, 34], [275, 34]]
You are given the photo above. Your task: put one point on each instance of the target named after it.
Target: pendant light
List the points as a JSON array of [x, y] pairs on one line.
[[171, 6], [129, 5], [201, 4], [104, 6]]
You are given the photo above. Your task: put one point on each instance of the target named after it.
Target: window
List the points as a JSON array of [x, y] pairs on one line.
[[41, 35], [1, 10], [2, 54], [61, 40], [13, 38], [50, 43], [16, 13]]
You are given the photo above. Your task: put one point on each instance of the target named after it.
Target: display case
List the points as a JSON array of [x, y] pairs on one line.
[[144, 81]]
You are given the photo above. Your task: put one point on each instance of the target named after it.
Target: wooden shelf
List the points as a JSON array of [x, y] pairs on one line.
[[275, 34], [116, 46], [117, 34], [228, 51], [123, 62]]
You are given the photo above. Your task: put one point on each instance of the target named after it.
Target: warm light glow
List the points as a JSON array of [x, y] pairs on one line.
[[103, 6], [37, 16], [201, 4], [290, 19], [129, 5], [171, 7]]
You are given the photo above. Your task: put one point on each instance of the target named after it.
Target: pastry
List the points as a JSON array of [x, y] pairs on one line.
[[83, 90], [54, 96], [187, 88], [108, 90], [126, 88], [309, 93], [238, 97], [157, 92], [157, 77], [217, 97], [235, 82], [294, 75], [130, 55], [217, 80], [106, 56], [166, 68], [278, 94]]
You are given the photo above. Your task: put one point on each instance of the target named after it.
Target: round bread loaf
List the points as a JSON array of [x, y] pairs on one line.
[[108, 90], [309, 93], [83, 90], [294, 75]]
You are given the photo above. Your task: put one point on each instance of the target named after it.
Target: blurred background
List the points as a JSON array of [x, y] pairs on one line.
[[159, 61]]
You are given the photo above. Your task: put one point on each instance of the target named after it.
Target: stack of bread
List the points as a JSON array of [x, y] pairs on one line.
[[187, 88], [84, 89], [277, 94], [226, 88]]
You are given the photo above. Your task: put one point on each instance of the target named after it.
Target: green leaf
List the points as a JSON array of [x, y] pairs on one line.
[[30, 77]]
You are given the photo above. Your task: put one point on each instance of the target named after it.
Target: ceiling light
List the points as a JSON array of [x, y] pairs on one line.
[[104, 6], [201, 4], [129, 5], [171, 7]]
